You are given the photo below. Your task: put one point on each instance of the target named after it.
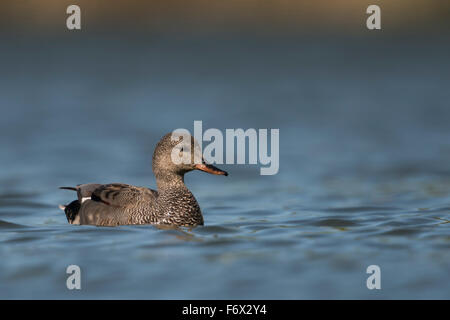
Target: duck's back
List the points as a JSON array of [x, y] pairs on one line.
[[118, 204], [123, 204]]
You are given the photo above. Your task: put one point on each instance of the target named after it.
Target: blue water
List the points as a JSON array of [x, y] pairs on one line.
[[364, 173]]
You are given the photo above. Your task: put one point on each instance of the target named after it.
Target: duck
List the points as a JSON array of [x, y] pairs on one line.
[[171, 204]]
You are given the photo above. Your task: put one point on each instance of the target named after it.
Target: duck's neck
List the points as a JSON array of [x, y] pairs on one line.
[[168, 181]]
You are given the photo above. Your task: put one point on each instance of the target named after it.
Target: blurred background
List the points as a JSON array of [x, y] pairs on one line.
[[270, 17], [364, 146]]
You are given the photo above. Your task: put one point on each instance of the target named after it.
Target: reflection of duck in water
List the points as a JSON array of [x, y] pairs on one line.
[[118, 204]]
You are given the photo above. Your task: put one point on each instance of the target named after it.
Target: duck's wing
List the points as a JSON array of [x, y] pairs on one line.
[[107, 203], [121, 195]]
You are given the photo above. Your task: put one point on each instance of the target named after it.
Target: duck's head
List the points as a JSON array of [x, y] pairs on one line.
[[178, 154]]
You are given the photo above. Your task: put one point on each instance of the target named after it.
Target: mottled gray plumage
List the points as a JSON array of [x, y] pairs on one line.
[[119, 204]]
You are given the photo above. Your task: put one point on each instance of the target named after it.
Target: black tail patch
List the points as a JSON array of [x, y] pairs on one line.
[[72, 210]]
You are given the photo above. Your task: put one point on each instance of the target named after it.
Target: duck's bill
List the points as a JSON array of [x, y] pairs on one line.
[[210, 169]]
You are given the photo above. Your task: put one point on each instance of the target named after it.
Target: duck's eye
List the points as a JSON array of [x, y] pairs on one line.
[[182, 149]]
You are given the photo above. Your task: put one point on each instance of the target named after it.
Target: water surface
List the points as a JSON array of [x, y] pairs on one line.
[[364, 167]]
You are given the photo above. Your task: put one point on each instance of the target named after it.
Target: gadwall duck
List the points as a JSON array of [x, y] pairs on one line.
[[122, 204]]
